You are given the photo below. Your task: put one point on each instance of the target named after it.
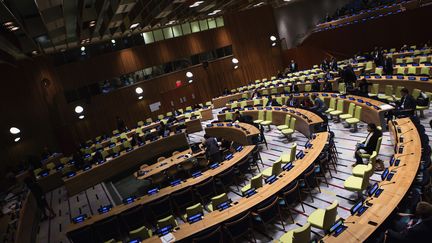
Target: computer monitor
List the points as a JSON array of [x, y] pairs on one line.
[[373, 189], [384, 174], [356, 207]]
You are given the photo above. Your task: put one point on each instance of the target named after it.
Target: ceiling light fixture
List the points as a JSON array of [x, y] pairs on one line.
[[139, 90], [272, 38], [258, 4], [133, 26], [189, 74], [82, 48], [17, 139], [196, 4], [214, 12], [113, 41], [14, 130], [79, 109], [81, 117]]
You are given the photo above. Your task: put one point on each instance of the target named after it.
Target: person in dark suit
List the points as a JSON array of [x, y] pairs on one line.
[[406, 105], [238, 117], [121, 126], [293, 66], [163, 129], [327, 86], [348, 75], [388, 66], [370, 143], [294, 87], [256, 94], [418, 228], [319, 105], [333, 64], [226, 91], [292, 102], [363, 87], [212, 149], [316, 86], [273, 102]]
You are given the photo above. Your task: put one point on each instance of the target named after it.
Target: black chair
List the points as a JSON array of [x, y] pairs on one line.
[[84, 235], [322, 166], [309, 181], [242, 168], [205, 191], [160, 209], [237, 228], [108, 229], [291, 194], [214, 236], [226, 179], [133, 218], [256, 156], [183, 199], [265, 214]]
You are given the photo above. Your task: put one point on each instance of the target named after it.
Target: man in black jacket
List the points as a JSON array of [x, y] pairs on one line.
[[370, 143]]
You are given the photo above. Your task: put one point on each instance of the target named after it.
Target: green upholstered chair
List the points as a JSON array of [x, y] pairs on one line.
[[260, 117], [361, 169], [290, 131], [286, 124], [256, 182], [275, 169], [374, 90], [356, 119], [268, 120], [297, 235], [324, 218]]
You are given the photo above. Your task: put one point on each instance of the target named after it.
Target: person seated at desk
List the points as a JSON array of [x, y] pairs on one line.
[[238, 117], [121, 126], [272, 102], [256, 94], [226, 92], [292, 101], [212, 149], [418, 228], [306, 103], [279, 75], [136, 140], [369, 145], [197, 107], [163, 129], [405, 106], [176, 112], [319, 105], [327, 86], [294, 87], [316, 86], [363, 87], [97, 157], [172, 120]]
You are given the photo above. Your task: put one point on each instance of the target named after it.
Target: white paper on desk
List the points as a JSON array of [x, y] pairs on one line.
[[386, 107], [167, 238]]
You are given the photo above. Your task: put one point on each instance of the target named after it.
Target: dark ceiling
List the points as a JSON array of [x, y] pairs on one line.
[[50, 26]]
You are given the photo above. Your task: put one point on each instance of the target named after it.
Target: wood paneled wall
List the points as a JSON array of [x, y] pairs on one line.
[[390, 31]]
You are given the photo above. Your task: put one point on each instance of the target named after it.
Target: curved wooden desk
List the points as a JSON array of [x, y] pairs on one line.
[[237, 157], [403, 81], [125, 161], [359, 230], [240, 132], [244, 204], [303, 125]]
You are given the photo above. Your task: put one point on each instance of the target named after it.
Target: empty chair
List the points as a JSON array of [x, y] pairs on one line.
[[308, 88], [369, 67], [83, 235], [260, 117], [169, 220], [256, 182], [425, 71], [256, 102], [216, 201], [360, 169], [141, 233], [206, 190], [227, 178], [50, 166], [286, 124], [228, 116], [374, 90], [324, 218], [140, 123], [378, 71], [400, 71], [133, 218], [290, 131], [291, 194], [275, 169], [183, 199], [193, 210], [215, 236], [332, 105], [399, 61], [412, 71], [268, 213], [160, 117], [160, 209], [339, 109], [149, 120], [298, 235], [409, 60], [239, 227], [356, 119], [189, 108], [289, 157], [350, 113], [268, 120], [169, 113], [359, 183], [423, 60], [309, 181], [422, 108], [342, 88], [107, 229]]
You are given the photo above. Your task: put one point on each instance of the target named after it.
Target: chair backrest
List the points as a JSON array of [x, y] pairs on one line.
[[308, 87], [375, 89], [399, 60], [332, 104], [115, 132], [341, 87], [140, 123], [205, 190], [269, 211], [330, 215], [215, 236], [379, 71], [409, 60], [245, 95], [169, 220], [372, 158], [292, 123], [415, 93], [238, 227], [279, 100], [260, 115], [425, 71], [412, 70], [82, 235], [133, 218], [269, 115], [388, 90], [149, 120], [400, 71], [50, 166], [160, 208], [357, 112], [287, 120], [293, 151], [256, 102], [183, 199], [378, 146], [351, 108], [189, 108], [369, 65], [107, 229], [216, 200], [398, 91], [302, 234], [194, 209], [277, 167], [257, 181], [340, 105], [243, 104], [228, 116]]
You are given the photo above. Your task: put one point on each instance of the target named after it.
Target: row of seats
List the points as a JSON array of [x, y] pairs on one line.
[[336, 112]]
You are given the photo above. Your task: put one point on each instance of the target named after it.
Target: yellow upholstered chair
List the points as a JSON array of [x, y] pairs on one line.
[[268, 120], [360, 170], [289, 157], [193, 210], [332, 105], [374, 90], [356, 119], [169, 220], [215, 201], [256, 182], [350, 113], [260, 117], [290, 131], [359, 183], [324, 218], [298, 235], [142, 233], [286, 124], [339, 109], [276, 169]]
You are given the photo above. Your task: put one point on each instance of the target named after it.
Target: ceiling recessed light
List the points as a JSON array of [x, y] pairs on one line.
[[273, 38], [189, 74], [15, 28], [215, 12], [35, 52], [113, 41], [258, 4], [82, 48], [8, 23], [196, 4], [14, 130], [139, 90], [133, 26], [235, 60], [17, 139], [79, 109], [81, 117]]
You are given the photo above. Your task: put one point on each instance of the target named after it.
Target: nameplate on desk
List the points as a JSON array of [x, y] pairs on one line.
[[277, 109], [224, 205], [220, 124], [59, 167], [300, 155], [354, 209], [288, 166], [351, 98], [367, 76], [70, 174], [260, 108], [229, 156], [389, 76], [325, 94], [376, 107], [400, 77], [424, 79], [268, 108], [342, 96], [209, 125], [44, 173], [250, 108], [308, 145], [377, 76], [306, 94], [195, 218], [135, 240], [237, 126], [337, 228], [249, 192], [123, 140], [175, 182], [164, 230], [411, 78], [115, 155], [229, 125], [271, 179], [401, 149], [428, 64], [240, 109], [129, 149], [153, 191], [112, 145], [296, 94], [104, 209], [368, 104], [373, 189], [403, 64], [214, 165], [284, 109], [239, 148], [79, 219], [196, 174], [87, 167], [334, 95], [154, 138], [415, 64], [129, 200], [86, 156]]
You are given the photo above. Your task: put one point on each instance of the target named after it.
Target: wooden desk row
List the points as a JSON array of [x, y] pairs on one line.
[[359, 229], [186, 230], [237, 157], [403, 81], [306, 120], [125, 161], [239, 132]]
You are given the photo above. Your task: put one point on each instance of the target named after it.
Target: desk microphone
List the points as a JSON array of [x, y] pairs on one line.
[[406, 142], [345, 222], [409, 130], [397, 167], [404, 155], [385, 184]]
